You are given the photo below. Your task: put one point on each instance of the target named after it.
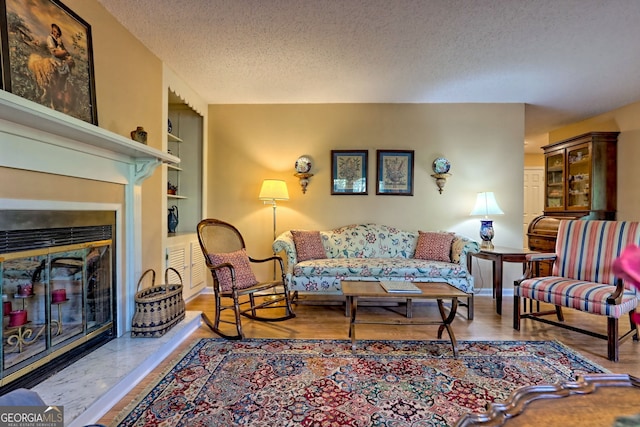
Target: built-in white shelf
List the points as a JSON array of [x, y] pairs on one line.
[[171, 137]]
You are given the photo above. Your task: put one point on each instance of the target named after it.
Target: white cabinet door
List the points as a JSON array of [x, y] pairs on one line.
[[177, 259], [186, 257], [198, 269]]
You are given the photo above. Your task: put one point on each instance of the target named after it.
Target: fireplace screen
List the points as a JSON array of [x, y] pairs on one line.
[[54, 299]]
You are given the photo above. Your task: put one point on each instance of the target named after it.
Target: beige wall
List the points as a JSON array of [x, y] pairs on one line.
[[39, 186], [625, 120], [128, 75], [249, 143], [534, 160]]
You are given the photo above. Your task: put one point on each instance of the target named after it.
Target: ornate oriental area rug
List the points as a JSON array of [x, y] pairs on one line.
[[323, 383]]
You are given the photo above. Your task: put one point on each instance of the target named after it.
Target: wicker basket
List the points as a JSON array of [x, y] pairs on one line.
[[158, 308]]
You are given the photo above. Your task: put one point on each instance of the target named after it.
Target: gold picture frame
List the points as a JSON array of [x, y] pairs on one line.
[[47, 56]]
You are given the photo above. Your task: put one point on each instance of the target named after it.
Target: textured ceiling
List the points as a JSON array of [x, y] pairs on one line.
[[566, 59]]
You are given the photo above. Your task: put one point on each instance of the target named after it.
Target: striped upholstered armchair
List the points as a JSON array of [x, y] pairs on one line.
[[582, 278]]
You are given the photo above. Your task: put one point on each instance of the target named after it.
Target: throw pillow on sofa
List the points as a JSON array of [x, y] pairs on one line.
[[434, 246], [308, 245], [242, 266]]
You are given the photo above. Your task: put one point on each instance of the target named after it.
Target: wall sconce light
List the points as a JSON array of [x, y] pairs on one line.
[[486, 205], [441, 168], [303, 168]]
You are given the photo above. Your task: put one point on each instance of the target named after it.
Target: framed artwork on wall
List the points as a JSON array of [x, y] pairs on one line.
[[394, 174], [349, 172], [47, 56]]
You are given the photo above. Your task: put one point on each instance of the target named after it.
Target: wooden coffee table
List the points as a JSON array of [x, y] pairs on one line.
[[437, 290]]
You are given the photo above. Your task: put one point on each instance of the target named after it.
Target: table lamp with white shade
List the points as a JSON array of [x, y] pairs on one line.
[[486, 205]]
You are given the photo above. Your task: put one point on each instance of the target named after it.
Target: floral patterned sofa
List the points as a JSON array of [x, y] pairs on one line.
[[372, 252]]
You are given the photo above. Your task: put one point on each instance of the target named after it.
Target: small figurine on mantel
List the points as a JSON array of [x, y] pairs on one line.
[[139, 134]]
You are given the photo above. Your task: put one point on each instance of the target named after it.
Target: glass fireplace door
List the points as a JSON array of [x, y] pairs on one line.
[[52, 300]]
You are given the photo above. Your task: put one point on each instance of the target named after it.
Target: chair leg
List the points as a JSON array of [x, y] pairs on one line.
[[236, 310], [215, 325], [252, 302], [516, 312], [217, 301], [559, 313], [612, 339], [287, 300], [634, 327], [470, 311]]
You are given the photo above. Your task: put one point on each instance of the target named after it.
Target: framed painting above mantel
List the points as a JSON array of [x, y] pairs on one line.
[[47, 56]]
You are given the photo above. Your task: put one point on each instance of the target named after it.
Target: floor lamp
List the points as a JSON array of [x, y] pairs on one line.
[[271, 191]]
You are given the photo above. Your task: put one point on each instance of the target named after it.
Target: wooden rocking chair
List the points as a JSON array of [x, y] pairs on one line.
[[225, 255]]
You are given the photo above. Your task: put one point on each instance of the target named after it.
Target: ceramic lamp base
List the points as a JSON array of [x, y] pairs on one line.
[[486, 233]]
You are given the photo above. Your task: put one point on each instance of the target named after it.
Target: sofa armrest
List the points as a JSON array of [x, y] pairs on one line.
[[461, 247], [284, 243]]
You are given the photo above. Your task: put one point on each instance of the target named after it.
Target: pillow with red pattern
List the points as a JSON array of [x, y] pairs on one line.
[[308, 245], [434, 246], [242, 266]]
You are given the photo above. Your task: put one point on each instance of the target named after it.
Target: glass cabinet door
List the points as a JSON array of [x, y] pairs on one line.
[[555, 181], [579, 178]]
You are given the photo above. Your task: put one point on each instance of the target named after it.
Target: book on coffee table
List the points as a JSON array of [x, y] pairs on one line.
[[400, 287]]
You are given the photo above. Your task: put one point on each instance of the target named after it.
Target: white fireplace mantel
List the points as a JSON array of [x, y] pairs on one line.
[[36, 138], [39, 130]]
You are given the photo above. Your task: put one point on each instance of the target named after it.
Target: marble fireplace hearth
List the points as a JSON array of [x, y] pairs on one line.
[[90, 387]]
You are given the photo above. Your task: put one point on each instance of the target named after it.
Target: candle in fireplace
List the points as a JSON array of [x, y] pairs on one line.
[[58, 295], [17, 318], [26, 290]]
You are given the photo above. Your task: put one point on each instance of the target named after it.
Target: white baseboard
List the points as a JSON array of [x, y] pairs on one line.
[[489, 292]]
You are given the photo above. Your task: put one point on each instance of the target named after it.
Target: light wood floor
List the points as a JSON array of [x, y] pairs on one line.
[[329, 322]]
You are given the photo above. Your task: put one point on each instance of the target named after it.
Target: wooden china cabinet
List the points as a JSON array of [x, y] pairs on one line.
[[580, 182]]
